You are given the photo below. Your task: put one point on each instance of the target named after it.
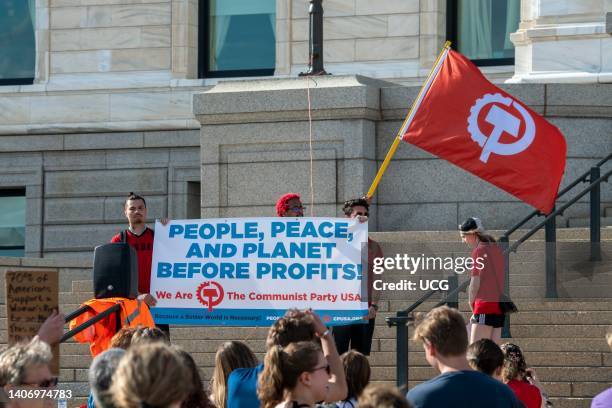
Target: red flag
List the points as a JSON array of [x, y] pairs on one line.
[[463, 118]]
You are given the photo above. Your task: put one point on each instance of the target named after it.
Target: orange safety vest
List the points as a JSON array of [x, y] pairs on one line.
[[134, 312]]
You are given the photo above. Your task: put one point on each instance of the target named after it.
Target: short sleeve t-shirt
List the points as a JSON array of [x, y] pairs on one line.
[[488, 262], [462, 389], [242, 387], [143, 244], [527, 393]]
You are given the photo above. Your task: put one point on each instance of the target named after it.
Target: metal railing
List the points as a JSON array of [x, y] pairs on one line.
[[116, 308], [594, 178]]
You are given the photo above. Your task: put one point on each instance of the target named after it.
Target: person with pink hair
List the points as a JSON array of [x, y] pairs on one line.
[[290, 205]]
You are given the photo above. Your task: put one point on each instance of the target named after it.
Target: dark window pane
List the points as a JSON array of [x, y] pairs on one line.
[[484, 28], [12, 252], [241, 35], [12, 225], [17, 45]]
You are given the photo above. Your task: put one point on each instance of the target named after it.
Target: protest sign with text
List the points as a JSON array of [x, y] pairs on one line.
[[249, 271]]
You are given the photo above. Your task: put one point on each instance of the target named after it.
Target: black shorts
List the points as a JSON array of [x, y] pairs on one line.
[[494, 320]]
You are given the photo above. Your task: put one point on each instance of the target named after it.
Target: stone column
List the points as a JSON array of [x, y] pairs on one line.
[[255, 143], [563, 41]]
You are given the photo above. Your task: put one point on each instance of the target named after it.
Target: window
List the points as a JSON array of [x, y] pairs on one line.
[[237, 38], [480, 29], [12, 222], [17, 45], [193, 200]]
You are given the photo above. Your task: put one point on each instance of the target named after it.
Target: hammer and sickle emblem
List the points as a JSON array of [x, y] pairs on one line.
[[210, 294], [503, 121]]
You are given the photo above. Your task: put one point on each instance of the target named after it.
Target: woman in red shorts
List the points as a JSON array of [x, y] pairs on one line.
[[486, 283]]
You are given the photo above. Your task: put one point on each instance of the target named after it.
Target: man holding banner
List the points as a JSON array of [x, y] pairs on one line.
[[140, 237], [359, 335]]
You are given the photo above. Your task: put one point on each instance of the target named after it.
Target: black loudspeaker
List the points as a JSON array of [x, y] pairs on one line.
[[115, 271]]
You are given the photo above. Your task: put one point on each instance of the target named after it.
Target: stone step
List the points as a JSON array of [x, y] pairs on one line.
[[574, 268], [536, 304], [529, 345], [563, 234], [539, 318], [560, 402], [534, 359], [519, 331], [585, 222], [546, 374], [567, 290], [384, 332], [388, 358], [559, 390]]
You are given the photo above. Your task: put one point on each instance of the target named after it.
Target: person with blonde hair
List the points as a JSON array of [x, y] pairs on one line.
[[382, 396], [26, 365], [230, 356], [151, 375], [148, 335], [296, 376]]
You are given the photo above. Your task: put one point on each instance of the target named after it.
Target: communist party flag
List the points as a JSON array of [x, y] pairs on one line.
[[463, 118]]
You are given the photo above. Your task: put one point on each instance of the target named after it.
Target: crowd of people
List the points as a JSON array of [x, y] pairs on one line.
[[306, 364], [301, 369]]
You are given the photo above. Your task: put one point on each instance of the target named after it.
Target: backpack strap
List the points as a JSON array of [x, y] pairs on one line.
[[123, 235]]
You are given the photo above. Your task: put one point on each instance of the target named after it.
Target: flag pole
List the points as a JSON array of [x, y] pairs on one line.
[[407, 121]]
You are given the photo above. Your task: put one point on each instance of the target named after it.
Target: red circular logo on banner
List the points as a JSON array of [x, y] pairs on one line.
[[210, 294]]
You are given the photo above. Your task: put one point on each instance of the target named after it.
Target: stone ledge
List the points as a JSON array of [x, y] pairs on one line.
[[104, 127], [286, 100], [44, 262]]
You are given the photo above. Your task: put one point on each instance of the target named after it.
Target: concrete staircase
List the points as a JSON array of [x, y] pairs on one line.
[[583, 222], [563, 339]]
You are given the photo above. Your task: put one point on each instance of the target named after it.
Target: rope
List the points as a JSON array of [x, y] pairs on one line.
[[310, 145]]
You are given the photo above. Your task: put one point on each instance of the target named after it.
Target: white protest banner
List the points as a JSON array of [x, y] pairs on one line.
[[249, 271]]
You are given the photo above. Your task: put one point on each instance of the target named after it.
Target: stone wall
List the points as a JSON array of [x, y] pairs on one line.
[[386, 38], [382, 39], [563, 41], [76, 183], [106, 36], [255, 147]]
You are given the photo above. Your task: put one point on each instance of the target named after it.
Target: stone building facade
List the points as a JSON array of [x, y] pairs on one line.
[[119, 103]]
